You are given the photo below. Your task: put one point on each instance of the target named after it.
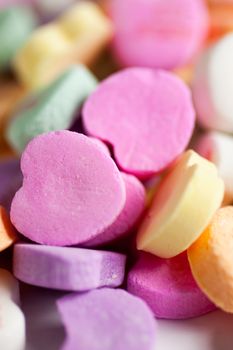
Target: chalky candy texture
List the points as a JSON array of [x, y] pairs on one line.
[[12, 328], [158, 33], [11, 179], [168, 287], [218, 148], [9, 286], [16, 24], [211, 259], [213, 84], [53, 108], [183, 206], [71, 269], [132, 211], [107, 319], [71, 192], [131, 111]]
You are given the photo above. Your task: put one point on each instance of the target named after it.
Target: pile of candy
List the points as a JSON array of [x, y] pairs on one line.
[[111, 190]]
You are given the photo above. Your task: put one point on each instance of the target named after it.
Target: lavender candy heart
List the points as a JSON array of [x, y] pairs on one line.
[[71, 269], [107, 319]]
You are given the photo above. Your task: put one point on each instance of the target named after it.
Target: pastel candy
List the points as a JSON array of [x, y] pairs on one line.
[[211, 260], [71, 191], [158, 33], [16, 24], [7, 232], [52, 108], [78, 35], [88, 28], [218, 148], [12, 327], [128, 120], [221, 18], [71, 269], [10, 179], [183, 206], [45, 55], [107, 319], [9, 286], [129, 216], [168, 287], [212, 86]]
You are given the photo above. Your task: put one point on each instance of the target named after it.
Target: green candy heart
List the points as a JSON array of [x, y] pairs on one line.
[[16, 24], [51, 109]]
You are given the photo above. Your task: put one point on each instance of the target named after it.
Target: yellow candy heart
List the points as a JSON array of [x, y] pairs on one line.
[[183, 206], [76, 37]]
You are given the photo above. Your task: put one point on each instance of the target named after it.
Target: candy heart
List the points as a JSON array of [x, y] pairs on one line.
[[146, 115], [107, 319], [78, 35], [168, 287], [132, 211], [213, 84], [71, 192], [71, 269], [183, 206], [211, 259], [158, 33], [52, 108], [16, 24]]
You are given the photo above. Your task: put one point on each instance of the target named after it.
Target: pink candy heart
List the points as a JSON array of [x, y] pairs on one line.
[[72, 190], [146, 115]]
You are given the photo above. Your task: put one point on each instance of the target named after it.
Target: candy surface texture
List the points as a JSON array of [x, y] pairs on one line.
[[90, 319], [131, 107], [71, 191]]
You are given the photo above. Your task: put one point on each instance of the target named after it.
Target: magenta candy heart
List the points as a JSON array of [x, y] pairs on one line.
[[168, 287], [71, 192], [107, 319], [131, 213], [146, 115], [68, 268]]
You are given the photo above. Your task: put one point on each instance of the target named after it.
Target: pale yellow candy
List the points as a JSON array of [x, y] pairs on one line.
[[183, 206], [43, 56], [76, 37]]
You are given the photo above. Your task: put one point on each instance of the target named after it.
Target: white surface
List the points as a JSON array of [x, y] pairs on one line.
[[45, 332]]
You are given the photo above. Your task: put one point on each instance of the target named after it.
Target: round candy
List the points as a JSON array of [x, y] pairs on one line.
[[183, 206], [71, 191], [212, 86], [107, 319], [168, 287], [218, 148], [71, 269], [146, 115], [7, 232], [16, 24], [12, 326], [9, 286], [10, 179], [132, 211], [52, 108], [211, 260], [158, 33]]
